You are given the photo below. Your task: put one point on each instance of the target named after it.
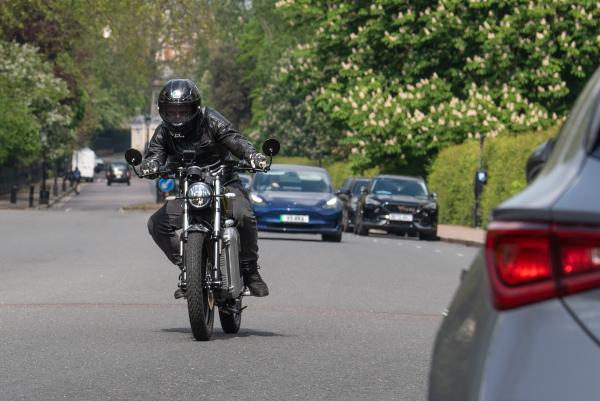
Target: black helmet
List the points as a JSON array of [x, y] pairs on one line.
[[179, 104]]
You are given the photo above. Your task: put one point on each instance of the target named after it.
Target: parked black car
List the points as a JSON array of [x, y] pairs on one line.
[[118, 171], [348, 194], [524, 323], [397, 204]]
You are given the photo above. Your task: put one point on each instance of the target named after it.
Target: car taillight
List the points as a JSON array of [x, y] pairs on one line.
[[531, 262]]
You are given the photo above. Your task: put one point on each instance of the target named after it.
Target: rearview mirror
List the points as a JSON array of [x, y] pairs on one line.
[[271, 147], [433, 195], [363, 190], [133, 157], [537, 160]]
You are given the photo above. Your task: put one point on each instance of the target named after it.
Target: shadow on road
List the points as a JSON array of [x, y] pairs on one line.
[[290, 239], [219, 335]]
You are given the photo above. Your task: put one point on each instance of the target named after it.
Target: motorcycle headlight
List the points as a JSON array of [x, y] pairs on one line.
[[199, 195], [332, 203]]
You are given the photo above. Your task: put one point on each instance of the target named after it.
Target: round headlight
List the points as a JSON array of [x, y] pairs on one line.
[[199, 195]]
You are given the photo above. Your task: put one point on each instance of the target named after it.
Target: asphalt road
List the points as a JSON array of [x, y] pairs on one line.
[[86, 313]]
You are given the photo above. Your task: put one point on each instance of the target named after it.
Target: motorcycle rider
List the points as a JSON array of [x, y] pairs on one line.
[[187, 125]]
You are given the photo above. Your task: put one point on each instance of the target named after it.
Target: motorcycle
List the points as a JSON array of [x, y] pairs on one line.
[[209, 241]]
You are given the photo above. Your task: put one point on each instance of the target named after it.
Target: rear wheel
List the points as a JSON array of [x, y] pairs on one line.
[[231, 320], [200, 299]]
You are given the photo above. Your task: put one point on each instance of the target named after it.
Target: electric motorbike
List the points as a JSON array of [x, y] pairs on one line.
[[209, 241]]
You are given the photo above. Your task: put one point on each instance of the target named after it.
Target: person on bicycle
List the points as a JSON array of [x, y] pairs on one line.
[[187, 125], [76, 175]]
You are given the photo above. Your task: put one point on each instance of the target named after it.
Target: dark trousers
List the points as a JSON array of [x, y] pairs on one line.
[[164, 223]]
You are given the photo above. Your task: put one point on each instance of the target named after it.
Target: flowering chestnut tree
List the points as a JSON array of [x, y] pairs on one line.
[[391, 82]]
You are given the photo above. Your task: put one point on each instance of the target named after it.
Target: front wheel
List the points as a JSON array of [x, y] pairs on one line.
[[200, 299], [231, 318]]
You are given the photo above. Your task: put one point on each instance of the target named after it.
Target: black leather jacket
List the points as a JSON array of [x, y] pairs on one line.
[[212, 138]]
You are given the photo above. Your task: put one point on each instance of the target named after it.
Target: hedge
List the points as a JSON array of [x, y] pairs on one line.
[[451, 174]]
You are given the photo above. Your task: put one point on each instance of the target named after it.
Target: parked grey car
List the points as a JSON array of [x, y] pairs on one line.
[[524, 323]]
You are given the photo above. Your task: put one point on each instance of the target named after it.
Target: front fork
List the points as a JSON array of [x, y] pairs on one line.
[[216, 237]]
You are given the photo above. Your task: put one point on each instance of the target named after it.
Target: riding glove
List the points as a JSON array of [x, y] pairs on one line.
[[258, 160]]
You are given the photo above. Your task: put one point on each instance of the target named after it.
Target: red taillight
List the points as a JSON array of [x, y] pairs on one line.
[[530, 262]]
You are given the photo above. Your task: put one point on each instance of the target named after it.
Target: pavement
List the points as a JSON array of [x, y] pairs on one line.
[[86, 312], [461, 234]]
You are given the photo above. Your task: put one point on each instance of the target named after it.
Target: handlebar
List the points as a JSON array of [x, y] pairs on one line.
[[237, 165]]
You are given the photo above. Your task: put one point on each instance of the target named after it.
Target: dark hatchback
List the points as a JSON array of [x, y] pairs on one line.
[[397, 204], [348, 194], [118, 171]]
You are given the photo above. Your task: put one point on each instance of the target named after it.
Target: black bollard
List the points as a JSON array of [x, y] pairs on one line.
[[44, 196], [31, 192], [64, 185], [55, 187], [13, 194]]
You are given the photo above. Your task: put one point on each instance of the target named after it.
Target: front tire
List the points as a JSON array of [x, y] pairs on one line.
[[199, 298], [231, 322]]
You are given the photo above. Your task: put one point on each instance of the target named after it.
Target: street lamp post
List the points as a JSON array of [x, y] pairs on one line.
[[479, 181]]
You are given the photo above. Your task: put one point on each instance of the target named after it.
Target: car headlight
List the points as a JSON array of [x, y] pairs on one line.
[[332, 203], [256, 199], [199, 195]]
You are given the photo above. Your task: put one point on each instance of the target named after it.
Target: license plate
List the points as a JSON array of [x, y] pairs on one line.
[[401, 217], [118, 175], [293, 218]]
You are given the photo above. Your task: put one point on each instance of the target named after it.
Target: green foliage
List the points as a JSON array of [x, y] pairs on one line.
[[19, 131], [506, 158], [453, 171], [451, 178], [390, 81], [30, 99]]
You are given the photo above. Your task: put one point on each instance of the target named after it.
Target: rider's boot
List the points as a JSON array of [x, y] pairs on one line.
[[252, 279], [180, 291]]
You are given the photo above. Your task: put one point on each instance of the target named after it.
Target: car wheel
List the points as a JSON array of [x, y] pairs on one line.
[[332, 237], [428, 237]]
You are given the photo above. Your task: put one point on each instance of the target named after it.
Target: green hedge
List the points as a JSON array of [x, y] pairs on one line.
[[451, 174]]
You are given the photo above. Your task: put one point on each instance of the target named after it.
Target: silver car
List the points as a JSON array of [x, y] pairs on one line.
[[524, 323]]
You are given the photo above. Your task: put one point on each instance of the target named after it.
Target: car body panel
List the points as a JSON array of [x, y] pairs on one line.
[[349, 193], [527, 353], [321, 219]]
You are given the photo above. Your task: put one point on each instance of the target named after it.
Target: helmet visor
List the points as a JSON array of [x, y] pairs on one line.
[[179, 114]]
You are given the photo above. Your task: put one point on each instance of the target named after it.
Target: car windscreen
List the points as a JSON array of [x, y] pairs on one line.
[[397, 186], [358, 185], [292, 181]]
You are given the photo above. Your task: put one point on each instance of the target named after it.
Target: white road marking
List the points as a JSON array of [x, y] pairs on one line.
[[460, 255], [438, 251], [418, 246]]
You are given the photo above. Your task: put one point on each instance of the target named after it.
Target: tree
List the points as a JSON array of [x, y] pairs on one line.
[[395, 81]]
